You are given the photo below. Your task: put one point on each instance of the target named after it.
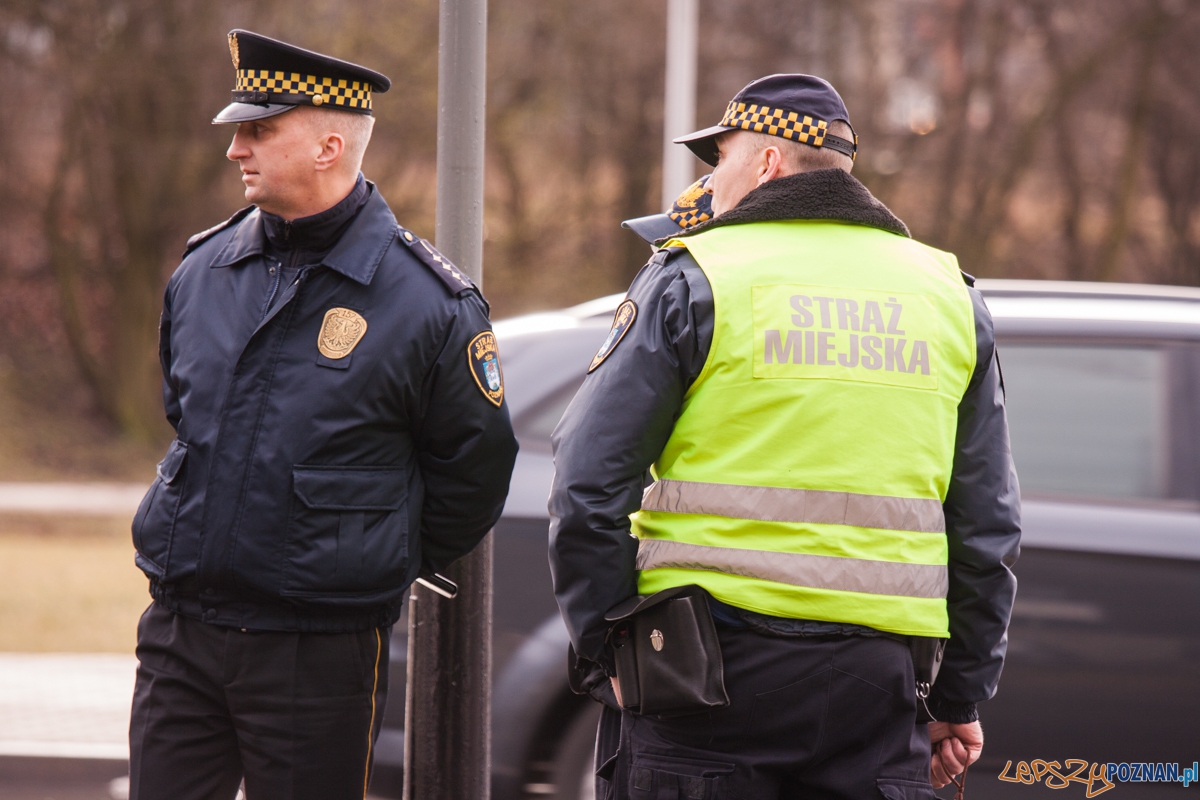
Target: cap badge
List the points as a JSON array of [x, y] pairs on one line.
[[693, 206], [622, 322], [233, 51], [483, 356], [341, 332], [691, 195]]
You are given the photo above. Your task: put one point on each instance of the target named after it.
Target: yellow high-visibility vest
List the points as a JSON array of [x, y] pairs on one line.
[[806, 473]]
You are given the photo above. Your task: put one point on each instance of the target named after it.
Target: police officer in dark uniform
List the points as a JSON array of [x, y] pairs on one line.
[[339, 406], [837, 506]]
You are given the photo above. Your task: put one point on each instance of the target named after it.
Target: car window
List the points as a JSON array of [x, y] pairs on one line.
[[534, 427], [1089, 420]]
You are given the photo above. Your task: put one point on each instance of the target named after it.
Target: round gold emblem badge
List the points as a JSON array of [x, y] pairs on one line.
[[341, 331]]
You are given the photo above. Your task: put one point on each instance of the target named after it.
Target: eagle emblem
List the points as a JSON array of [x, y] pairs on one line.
[[341, 332]]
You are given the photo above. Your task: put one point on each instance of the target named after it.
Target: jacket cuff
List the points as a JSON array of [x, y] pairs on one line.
[[954, 713]]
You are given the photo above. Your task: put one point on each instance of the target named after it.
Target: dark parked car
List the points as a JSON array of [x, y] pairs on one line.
[[1103, 389]]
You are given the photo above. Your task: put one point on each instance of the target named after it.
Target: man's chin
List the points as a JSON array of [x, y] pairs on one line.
[[255, 195]]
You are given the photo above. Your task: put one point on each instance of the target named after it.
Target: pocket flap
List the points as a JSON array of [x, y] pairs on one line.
[[899, 789], [168, 468], [350, 488]]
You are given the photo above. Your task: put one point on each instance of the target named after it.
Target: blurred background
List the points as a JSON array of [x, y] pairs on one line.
[[1033, 138]]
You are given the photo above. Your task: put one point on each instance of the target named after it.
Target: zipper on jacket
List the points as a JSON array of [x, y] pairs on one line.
[[293, 257], [277, 270]]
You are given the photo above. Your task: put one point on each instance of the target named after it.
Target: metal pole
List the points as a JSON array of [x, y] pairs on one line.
[[679, 111], [447, 719]]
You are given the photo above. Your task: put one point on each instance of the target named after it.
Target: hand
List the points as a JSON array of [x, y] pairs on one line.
[[955, 747], [617, 692]]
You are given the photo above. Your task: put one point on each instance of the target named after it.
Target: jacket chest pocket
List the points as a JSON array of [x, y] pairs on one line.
[[348, 532], [154, 523]]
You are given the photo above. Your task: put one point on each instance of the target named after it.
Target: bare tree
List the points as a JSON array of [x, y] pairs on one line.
[[134, 160], [1034, 138]]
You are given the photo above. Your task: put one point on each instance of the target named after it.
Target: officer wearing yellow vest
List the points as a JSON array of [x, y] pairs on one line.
[[800, 410]]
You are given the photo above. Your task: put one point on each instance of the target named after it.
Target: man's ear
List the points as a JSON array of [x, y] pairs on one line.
[[332, 148], [770, 164]]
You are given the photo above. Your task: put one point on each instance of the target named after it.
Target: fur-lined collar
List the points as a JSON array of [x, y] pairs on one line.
[[821, 194]]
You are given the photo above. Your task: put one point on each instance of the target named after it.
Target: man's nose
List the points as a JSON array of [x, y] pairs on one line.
[[237, 148]]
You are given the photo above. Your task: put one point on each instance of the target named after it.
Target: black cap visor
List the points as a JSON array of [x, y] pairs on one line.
[[234, 113], [704, 143], [653, 227]]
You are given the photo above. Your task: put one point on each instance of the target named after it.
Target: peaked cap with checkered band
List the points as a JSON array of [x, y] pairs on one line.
[[795, 107], [274, 77]]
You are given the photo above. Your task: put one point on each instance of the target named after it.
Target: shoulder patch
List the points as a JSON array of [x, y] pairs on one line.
[[203, 236], [454, 278], [622, 321], [483, 357]]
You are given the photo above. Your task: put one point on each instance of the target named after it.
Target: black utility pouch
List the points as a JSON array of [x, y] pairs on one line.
[[927, 660], [666, 653]]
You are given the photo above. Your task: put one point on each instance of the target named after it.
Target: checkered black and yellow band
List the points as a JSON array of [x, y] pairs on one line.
[[691, 208], [688, 218], [354, 95], [786, 124]]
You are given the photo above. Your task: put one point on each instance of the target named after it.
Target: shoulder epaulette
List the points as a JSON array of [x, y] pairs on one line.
[[676, 257], [203, 236], [968, 278], [454, 278], [663, 254]]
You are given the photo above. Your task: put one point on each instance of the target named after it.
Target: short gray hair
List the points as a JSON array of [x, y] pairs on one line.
[[354, 128], [799, 157]]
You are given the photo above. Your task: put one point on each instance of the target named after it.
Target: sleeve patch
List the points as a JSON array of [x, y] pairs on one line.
[[622, 322], [483, 356]]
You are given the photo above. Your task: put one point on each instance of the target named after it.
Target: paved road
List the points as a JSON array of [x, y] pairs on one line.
[[64, 722], [62, 779], [65, 705], [64, 719], [71, 498]]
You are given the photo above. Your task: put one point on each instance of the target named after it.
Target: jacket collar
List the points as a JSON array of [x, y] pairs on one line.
[[821, 194], [320, 232], [356, 255], [246, 240]]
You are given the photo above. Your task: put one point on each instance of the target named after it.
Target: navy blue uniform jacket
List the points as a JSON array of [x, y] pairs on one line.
[[304, 493]]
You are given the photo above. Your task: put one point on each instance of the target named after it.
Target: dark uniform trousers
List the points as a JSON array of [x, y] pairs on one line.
[[819, 718], [295, 714]]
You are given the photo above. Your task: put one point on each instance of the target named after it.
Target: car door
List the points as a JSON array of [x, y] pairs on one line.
[[1105, 634]]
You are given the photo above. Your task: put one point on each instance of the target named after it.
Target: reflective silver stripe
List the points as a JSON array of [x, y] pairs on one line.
[[772, 504], [799, 569]]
